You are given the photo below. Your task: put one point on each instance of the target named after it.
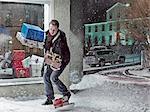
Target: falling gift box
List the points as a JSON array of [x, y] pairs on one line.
[[32, 32], [28, 42]]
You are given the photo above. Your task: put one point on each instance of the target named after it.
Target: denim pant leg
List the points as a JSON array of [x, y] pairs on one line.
[[48, 84], [60, 85]]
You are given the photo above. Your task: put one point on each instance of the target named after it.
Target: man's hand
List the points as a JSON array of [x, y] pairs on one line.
[[48, 58]]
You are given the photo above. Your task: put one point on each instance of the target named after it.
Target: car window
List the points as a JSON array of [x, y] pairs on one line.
[[104, 52], [98, 48], [90, 53]]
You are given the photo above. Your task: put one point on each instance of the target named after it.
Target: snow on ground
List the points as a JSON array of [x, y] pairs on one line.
[[89, 82], [98, 94], [145, 72], [10, 105], [7, 105]]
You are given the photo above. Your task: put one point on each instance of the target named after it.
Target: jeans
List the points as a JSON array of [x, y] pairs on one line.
[[52, 77]]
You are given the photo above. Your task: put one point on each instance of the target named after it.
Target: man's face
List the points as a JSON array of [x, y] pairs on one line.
[[53, 29]]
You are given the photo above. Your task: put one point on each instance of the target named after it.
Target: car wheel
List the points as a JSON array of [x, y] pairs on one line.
[[102, 63], [122, 60], [93, 65], [113, 62]]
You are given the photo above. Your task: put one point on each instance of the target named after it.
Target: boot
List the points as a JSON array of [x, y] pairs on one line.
[[67, 96], [48, 102]]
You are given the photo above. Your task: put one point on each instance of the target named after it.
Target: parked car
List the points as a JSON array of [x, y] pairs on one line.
[[97, 48], [101, 57]]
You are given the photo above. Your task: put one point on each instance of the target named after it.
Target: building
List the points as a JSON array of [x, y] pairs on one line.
[[110, 32]]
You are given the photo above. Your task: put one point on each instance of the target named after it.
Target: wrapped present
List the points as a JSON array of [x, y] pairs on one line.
[[17, 64], [32, 32], [36, 70], [37, 60], [18, 54], [28, 42], [54, 60], [36, 65], [22, 72], [26, 62]]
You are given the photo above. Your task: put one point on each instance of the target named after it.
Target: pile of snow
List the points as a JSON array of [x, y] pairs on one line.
[[89, 81], [144, 72]]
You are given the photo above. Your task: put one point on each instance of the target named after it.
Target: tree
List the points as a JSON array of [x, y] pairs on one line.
[[138, 27]]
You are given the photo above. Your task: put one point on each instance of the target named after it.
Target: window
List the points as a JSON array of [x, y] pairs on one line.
[[110, 16], [103, 27], [89, 43], [103, 40], [96, 41], [110, 39], [104, 52], [117, 37], [118, 15], [96, 28], [13, 15], [110, 27], [27, 13], [89, 29]]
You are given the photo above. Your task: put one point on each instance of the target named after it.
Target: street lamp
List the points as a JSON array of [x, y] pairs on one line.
[[126, 5]]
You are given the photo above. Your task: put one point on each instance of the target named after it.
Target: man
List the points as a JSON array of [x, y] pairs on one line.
[[55, 43]]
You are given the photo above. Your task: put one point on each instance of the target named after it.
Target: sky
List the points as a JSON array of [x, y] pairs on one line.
[[98, 93]]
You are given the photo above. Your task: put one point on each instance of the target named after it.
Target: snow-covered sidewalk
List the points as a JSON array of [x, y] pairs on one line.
[[140, 72], [11, 105], [99, 94], [108, 95]]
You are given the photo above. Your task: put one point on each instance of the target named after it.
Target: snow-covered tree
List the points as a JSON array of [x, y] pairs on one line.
[[138, 26]]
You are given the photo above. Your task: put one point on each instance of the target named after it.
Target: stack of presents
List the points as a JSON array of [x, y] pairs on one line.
[[31, 36], [18, 68]]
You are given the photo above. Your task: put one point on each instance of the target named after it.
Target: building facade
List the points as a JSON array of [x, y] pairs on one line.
[[112, 31]]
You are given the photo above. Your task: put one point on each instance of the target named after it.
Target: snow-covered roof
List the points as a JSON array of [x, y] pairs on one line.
[[114, 6]]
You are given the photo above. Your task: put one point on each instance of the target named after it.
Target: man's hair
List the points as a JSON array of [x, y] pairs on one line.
[[54, 22]]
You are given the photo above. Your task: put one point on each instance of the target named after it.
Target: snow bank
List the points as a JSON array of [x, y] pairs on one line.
[[89, 81]]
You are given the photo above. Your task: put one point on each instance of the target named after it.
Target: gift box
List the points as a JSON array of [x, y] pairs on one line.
[[36, 70], [17, 64], [32, 32], [28, 42], [36, 60], [54, 60], [26, 62], [18, 55], [22, 72]]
